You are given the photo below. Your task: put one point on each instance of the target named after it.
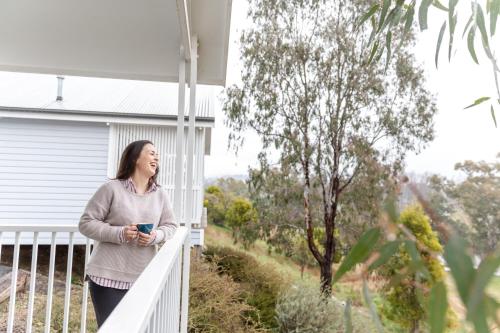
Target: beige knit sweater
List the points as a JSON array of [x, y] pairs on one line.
[[113, 207]]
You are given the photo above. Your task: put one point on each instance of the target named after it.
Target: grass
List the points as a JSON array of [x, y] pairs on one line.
[[57, 313], [220, 236], [348, 288]]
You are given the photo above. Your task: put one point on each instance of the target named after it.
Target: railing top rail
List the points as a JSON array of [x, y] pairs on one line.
[[133, 312], [38, 228]]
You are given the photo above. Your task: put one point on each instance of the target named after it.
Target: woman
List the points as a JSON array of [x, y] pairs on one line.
[[121, 252]]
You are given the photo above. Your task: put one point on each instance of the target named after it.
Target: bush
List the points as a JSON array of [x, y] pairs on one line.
[[302, 309], [215, 303], [261, 284], [216, 203], [403, 304], [241, 217]]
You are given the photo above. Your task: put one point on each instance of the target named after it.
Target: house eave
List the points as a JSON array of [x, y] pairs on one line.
[[100, 117]]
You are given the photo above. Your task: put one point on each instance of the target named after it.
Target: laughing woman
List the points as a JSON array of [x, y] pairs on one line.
[[121, 252]]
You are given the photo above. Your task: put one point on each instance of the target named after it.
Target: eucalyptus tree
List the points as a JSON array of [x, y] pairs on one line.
[[310, 93], [474, 23]]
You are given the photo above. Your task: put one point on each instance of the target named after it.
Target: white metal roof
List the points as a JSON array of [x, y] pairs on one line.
[[28, 91], [126, 39]]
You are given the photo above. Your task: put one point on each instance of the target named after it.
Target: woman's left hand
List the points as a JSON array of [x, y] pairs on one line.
[[145, 239]]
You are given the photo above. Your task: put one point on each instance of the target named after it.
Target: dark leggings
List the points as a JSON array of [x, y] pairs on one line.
[[105, 300]]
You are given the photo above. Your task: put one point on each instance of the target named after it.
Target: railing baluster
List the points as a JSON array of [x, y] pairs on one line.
[[152, 322], [171, 287], [13, 285], [1, 233], [83, 319], [178, 292], [163, 325], [31, 300], [185, 284], [51, 282], [67, 294]]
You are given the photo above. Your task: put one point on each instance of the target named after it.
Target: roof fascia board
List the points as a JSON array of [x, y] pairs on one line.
[[154, 120]]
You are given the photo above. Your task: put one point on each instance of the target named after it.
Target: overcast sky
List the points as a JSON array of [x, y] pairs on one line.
[[460, 134]]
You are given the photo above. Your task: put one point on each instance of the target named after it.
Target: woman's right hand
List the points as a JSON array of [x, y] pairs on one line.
[[130, 232]]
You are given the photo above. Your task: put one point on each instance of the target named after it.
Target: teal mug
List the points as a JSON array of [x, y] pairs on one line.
[[145, 228]]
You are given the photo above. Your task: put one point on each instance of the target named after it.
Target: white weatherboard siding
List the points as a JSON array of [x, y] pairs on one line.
[[48, 172], [164, 139]]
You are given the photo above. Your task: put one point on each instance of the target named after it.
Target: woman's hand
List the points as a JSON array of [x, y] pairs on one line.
[[130, 232], [145, 239]]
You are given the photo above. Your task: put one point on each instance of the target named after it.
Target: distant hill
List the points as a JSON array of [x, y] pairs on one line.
[[212, 180]]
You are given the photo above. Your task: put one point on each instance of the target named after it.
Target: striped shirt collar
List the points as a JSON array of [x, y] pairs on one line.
[[129, 185]]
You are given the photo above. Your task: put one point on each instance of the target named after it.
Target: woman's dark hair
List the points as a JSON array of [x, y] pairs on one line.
[[129, 158]]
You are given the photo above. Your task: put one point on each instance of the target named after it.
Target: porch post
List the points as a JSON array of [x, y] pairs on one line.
[[179, 152], [192, 115], [189, 183]]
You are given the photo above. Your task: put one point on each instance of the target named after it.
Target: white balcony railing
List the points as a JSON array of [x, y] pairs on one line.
[[155, 303]]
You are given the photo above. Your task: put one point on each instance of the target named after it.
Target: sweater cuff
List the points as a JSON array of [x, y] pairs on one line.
[[121, 235], [160, 235]]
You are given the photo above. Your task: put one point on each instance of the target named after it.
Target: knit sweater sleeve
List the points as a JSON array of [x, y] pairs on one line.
[[93, 221], [167, 225]]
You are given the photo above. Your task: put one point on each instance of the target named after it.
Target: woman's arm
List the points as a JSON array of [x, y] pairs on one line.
[[92, 222], [167, 225]]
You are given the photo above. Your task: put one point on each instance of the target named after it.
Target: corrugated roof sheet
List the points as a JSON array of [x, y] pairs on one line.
[[99, 95]]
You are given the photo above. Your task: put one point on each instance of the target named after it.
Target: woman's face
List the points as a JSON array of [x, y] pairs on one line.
[[147, 163]]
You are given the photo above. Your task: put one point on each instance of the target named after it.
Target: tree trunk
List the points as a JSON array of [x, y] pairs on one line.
[[414, 327], [326, 278]]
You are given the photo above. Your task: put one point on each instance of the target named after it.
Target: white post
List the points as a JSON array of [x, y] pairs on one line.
[[189, 184], [192, 115], [13, 286], [67, 294], [52, 261], [179, 152], [185, 281], [85, 296], [31, 301]]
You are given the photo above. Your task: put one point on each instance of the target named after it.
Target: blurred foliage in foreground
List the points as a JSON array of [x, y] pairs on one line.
[[372, 251]]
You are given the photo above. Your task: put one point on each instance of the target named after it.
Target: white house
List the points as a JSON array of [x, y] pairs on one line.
[[179, 41], [61, 138]]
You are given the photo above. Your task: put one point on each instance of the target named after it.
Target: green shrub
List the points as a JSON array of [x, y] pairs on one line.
[[216, 203], [215, 303], [241, 217], [302, 309], [403, 303], [261, 284]]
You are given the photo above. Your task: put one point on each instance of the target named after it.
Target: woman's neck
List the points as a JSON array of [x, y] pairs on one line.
[[141, 182]]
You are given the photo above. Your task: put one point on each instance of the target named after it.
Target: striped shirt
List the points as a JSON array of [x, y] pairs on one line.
[[104, 282]]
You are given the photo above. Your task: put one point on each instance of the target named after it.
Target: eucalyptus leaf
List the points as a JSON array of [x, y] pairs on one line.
[[438, 46], [360, 251], [368, 14], [478, 101], [438, 305], [383, 13], [483, 276], [470, 44], [422, 13], [439, 5], [460, 264], [348, 317], [371, 306], [493, 116], [467, 25], [385, 253], [494, 12]]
